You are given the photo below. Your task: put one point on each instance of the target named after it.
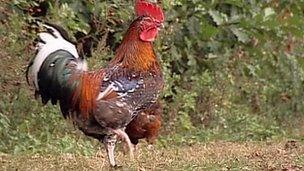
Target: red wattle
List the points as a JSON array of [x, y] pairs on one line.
[[148, 35]]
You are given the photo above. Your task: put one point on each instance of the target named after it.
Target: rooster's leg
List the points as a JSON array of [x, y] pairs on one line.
[[126, 148], [124, 136], [109, 142]]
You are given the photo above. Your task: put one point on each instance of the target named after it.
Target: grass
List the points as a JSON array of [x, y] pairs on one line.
[[218, 155]]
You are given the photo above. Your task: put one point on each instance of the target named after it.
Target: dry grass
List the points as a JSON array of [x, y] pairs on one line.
[[287, 155]]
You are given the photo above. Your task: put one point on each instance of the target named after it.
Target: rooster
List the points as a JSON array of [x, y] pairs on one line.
[[145, 125], [101, 103]]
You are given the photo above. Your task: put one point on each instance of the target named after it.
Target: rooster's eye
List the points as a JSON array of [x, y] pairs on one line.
[[148, 19], [146, 22]]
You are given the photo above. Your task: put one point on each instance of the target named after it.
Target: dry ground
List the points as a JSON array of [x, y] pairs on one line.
[[285, 155]]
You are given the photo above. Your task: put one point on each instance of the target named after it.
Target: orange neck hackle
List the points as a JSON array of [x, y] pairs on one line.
[[134, 53]]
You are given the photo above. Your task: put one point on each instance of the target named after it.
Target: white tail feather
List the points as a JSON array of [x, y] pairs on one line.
[[49, 44]]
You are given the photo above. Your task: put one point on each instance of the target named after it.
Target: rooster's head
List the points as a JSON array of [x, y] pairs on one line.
[[151, 18]]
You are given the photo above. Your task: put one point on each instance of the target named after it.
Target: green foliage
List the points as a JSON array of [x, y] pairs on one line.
[[233, 70], [250, 51], [36, 129]]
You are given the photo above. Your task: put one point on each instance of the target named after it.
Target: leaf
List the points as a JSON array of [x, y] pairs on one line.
[[268, 12], [218, 18], [235, 3], [208, 30], [240, 34]]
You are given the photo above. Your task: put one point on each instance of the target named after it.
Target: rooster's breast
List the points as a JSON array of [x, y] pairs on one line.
[[134, 91]]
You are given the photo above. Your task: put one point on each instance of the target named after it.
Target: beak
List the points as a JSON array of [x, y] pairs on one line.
[[160, 26]]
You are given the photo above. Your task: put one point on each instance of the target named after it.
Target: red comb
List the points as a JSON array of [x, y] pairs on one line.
[[143, 8]]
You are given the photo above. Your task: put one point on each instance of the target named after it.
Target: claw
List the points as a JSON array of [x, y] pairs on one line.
[[117, 166], [150, 147]]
